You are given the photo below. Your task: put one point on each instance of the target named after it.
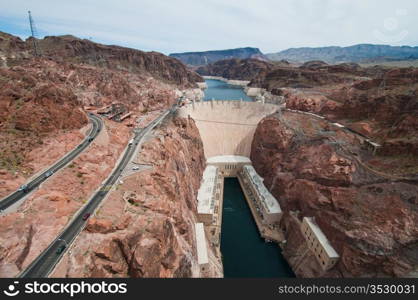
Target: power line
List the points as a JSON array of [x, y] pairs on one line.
[[34, 35]]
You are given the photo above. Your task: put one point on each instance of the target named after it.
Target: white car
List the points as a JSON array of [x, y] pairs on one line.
[[136, 168]]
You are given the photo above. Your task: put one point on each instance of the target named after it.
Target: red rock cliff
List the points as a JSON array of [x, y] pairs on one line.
[[315, 171], [68, 48], [379, 103]]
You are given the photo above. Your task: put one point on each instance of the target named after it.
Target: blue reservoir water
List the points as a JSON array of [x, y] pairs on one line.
[[244, 252], [220, 90]]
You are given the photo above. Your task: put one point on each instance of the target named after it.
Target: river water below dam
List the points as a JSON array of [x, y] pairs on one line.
[[244, 252], [220, 90]]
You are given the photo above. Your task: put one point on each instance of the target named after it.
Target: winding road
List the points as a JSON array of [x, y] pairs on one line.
[[33, 184], [47, 260]]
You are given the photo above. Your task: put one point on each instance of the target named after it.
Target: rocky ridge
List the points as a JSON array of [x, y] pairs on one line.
[[208, 57], [44, 97], [379, 103], [355, 53], [68, 48]]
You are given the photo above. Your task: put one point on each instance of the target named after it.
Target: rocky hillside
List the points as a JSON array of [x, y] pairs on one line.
[[68, 48], [44, 97], [296, 78], [237, 69], [271, 75], [315, 170], [146, 226], [12, 47], [207, 57], [45, 212], [365, 201], [356, 53], [382, 106]]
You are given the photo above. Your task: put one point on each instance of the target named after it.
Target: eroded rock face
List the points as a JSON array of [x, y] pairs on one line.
[[12, 47], [146, 227], [34, 100], [25, 233], [42, 101], [207, 57], [237, 69], [69, 48], [370, 220], [43, 97], [378, 103]]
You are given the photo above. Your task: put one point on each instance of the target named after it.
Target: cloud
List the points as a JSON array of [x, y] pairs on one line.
[[186, 25]]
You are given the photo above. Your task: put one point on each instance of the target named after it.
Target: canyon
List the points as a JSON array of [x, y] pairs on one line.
[[317, 169], [338, 143]]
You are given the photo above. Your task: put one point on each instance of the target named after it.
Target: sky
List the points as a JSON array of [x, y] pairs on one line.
[[199, 25]]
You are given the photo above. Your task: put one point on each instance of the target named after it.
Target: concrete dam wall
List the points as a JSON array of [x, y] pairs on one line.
[[227, 127]]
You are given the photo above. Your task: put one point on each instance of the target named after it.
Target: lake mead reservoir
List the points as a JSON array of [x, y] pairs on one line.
[[220, 90]]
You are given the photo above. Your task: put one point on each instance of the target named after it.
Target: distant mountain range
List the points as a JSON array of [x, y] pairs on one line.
[[356, 53], [361, 53], [207, 57]]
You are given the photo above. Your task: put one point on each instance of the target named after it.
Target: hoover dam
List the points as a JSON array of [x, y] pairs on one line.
[[227, 127]]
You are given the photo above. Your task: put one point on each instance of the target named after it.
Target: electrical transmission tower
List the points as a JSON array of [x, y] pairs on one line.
[[34, 35]]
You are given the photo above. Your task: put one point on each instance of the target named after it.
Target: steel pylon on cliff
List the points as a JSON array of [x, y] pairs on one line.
[[34, 35]]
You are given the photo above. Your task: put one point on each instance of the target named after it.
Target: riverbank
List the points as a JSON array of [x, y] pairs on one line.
[[242, 83]]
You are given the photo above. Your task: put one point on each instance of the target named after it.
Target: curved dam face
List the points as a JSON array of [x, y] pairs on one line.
[[227, 127]]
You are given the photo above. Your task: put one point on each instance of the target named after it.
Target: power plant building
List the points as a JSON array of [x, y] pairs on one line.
[[208, 193], [325, 254], [266, 204]]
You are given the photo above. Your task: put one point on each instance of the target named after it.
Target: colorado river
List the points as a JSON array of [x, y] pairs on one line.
[[220, 90], [244, 252]]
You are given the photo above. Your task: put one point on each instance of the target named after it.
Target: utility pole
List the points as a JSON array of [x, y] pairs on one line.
[[34, 35]]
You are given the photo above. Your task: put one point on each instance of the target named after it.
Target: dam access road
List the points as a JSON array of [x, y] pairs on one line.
[[20, 194], [47, 260]]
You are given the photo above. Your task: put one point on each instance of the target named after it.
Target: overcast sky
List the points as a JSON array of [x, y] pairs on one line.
[[197, 25]]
